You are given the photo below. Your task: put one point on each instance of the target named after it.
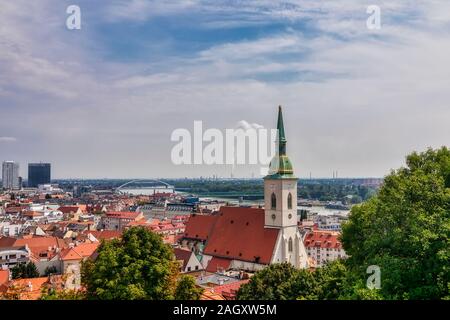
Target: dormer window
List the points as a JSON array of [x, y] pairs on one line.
[[289, 200], [273, 201]]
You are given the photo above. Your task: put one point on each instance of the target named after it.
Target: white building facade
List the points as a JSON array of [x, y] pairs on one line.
[[10, 175]]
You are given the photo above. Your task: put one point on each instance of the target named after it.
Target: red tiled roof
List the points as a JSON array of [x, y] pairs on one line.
[[239, 233], [4, 276], [105, 234], [161, 194], [170, 238], [208, 294], [322, 239], [96, 207], [69, 209], [218, 263], [32, 213], [14, 209], [79, 252], [184, 255], [154, 222], [229, 290], [198, 226], [141, 222], [41, 245], [122, 215], [7, 242], [30, 288], [37, 242]]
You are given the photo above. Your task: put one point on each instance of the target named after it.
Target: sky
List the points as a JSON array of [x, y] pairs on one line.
[[103, 101]]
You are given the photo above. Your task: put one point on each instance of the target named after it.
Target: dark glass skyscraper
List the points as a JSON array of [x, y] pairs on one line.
[[38, 173]]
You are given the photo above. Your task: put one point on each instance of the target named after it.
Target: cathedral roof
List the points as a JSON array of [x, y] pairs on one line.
[[239, 233], [199, 226]]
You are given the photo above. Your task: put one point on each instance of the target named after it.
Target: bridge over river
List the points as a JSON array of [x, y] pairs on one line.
[[144, 187]]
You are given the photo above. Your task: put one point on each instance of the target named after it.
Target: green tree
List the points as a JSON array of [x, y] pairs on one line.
[[303, 286], [356, 289], [405, 229], [50, 270], [138, 266], [187, 290], [284, 282], [356, 199], [271, 283], [53, 294], [24, 270], [332, 280]]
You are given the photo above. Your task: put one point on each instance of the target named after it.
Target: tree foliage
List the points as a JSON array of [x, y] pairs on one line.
[[284, 282], [24, 270], [53, 294], [50, 270], [404, 230], [14, 292], [325, 190], [271, 283], [186, 289], [138, 266]]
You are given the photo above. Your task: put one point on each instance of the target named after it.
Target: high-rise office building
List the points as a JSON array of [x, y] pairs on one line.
[[38, 173], [10, 175]]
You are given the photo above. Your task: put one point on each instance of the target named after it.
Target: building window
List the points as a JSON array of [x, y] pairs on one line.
[[290, 245], [289, 201], [273, 201]]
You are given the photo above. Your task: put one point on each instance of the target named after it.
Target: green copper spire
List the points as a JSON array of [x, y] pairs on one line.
[[281, 135], [280, 166]]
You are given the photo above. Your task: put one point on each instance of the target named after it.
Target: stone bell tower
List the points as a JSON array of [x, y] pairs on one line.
[[280, 204]]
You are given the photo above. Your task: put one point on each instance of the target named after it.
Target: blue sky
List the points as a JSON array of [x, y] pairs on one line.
[[103, 101]]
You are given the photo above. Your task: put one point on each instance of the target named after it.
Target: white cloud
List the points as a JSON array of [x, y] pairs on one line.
[[252, 49], [376, 96], [245, 125], [140, 10]]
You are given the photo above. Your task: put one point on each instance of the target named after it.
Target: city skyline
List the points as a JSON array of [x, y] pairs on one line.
[[23, 174], [102, 101]]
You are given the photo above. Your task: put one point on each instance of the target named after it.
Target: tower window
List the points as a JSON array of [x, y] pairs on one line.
[[273, 201], [290, 245], [289, 201]]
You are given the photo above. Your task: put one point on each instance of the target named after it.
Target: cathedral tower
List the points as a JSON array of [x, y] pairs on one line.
[[280, 185], [280, 203]]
